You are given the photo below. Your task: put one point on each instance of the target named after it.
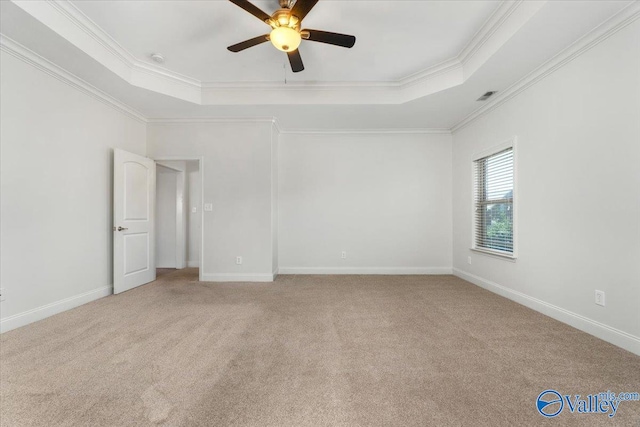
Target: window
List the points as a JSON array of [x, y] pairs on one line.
[[493, 202]]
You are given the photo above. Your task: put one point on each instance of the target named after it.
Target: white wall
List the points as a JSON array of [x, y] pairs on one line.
[[194, 219], [166, 233], [578, 195], [56, 192], [275, 142], [385, 199], [237, 181]]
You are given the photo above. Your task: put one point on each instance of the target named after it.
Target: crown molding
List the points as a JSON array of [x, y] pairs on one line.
[[507, 19], [180, 120], [619, 21], [68, 21], [84, 23], [388, 131], [274, 121], [26, 55], [492, 24], [602, 32]]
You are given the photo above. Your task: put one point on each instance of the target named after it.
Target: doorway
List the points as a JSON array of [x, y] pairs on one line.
[[178, 216]]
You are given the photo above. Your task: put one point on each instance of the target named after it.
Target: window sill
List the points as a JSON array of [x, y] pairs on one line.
[[496, 254]]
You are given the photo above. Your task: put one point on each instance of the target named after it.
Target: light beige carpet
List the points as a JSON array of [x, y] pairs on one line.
[[305, 351]]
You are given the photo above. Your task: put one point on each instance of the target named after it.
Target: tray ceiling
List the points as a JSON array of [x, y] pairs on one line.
[[516, 39], [395, 39]]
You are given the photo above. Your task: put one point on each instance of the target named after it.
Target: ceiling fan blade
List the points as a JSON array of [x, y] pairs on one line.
[[248, 43], [302, 7], [336, 39], [296, 61], [254, 10]]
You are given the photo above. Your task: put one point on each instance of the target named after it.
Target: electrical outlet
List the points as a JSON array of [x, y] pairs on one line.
[[600, 298], [469, 260], [343, 255], [238, 260], [208, 207]]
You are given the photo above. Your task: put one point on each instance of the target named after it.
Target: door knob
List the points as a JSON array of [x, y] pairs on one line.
[[121, 228]]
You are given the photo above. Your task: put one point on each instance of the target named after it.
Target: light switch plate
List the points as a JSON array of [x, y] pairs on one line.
[[600, 298]]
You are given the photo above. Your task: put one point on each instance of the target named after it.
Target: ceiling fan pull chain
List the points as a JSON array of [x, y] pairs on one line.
[[284, 70]]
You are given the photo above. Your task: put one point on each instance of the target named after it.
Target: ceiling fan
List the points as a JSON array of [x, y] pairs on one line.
[[286, 34]]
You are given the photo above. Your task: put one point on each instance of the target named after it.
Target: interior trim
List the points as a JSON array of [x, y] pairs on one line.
[[39, 313], [602, 32], [612, 335], [367, 270], [71, 23], [26, 55]]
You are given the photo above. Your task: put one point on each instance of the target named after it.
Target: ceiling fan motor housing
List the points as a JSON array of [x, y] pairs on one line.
[[284, 18]]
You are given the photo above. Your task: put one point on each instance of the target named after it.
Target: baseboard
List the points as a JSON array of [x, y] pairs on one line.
[[193, 264], [33, 315], [366, 270], [607, 333], [237, 277]]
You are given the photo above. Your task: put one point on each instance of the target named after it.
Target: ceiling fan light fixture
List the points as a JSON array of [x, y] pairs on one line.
[[285, 39], [287, 32]]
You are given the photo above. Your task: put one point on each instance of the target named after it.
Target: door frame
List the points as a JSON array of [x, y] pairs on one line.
[[200, 161]]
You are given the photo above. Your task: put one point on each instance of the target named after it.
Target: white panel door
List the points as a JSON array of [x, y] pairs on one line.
[[134, 191]]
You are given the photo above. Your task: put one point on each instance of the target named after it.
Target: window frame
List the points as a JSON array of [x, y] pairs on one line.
[[509, 144]]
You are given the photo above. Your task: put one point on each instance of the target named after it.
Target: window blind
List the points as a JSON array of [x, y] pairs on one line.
[[493, 200]]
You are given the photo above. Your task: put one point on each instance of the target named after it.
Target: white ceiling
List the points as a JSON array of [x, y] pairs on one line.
[[394, 38], [555, 27]]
